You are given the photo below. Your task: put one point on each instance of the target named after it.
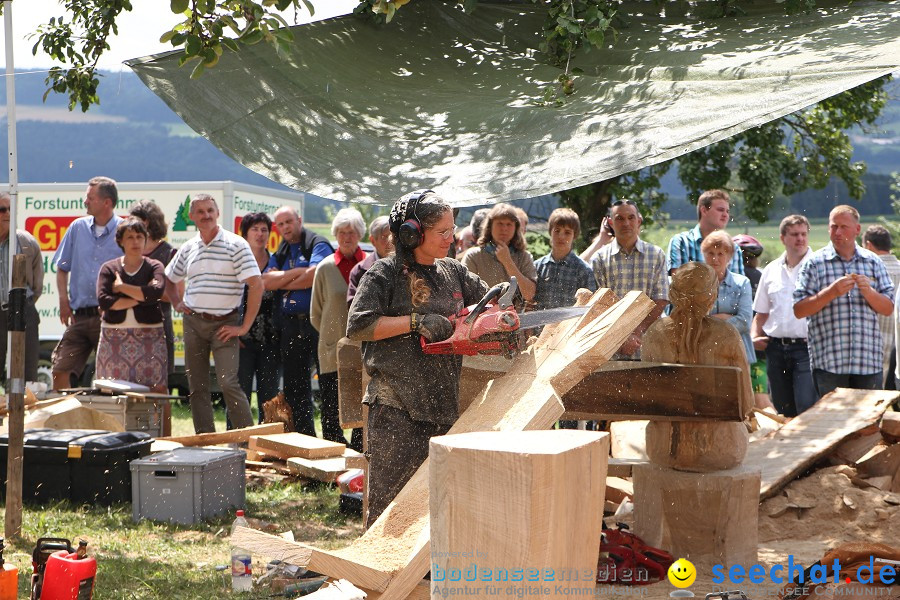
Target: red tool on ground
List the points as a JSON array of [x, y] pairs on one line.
[[625, 559], [487, 328]]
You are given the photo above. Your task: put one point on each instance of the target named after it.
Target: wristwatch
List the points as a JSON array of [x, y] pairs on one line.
[[414, 322]]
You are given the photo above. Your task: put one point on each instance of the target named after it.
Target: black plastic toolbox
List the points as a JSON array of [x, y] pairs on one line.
[[82, 465]]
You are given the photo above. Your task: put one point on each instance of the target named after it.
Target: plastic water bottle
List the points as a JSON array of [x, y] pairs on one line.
[[241, 576]]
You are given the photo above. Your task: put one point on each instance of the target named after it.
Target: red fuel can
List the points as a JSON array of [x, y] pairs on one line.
[[68, 578]]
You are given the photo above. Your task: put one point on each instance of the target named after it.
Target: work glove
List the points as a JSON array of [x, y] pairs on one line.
[[434, 328]]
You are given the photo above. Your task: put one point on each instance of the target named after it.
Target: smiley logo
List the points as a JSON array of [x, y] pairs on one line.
[[682, 573]]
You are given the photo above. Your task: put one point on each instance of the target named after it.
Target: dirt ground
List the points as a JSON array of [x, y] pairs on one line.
[[809, 517]]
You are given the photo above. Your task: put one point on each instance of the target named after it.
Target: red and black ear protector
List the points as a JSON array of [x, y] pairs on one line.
[[410, 234]]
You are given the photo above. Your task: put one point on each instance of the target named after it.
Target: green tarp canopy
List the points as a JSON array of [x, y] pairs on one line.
[[445, 100]]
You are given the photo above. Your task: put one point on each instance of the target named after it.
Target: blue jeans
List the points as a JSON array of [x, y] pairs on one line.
[[790, 377], [265, 364], [827, 382]]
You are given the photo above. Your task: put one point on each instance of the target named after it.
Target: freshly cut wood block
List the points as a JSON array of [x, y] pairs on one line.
[[627, 440], [502, 501], [708, 518], [289, 445], [350, 389], [890, 426]]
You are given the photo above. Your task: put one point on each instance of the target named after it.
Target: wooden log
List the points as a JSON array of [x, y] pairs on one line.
[[502, 501], [799, 444], [653, 391], [289, 445], [708, 518], [234, 436], [350, 389], [16, 406]]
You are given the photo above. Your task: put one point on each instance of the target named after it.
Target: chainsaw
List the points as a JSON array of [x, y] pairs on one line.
[[493, 326]]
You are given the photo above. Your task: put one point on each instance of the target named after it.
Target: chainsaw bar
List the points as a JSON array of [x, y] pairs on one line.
[[553, 315]]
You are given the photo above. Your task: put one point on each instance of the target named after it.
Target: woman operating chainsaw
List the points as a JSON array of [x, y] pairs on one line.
[[412, 396]]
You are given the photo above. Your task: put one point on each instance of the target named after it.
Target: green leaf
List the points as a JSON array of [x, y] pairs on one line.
[[230, 43], [198, 70], [193, 45], [309, 7], [252, 37], [167, 36], [595, 37], [179, 6], [391, 11]]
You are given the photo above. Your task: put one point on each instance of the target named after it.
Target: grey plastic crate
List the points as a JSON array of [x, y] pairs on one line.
[[135, 413], [187, 485]]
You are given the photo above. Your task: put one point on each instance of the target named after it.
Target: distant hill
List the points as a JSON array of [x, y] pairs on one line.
[[133, 136]]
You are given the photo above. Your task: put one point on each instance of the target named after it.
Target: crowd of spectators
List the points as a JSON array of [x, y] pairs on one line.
[[809, 320]]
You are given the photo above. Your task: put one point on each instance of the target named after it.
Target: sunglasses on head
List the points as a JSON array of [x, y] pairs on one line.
[[621, 202]]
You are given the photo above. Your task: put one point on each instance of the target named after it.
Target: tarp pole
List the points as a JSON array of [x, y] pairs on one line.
[[16, 343]]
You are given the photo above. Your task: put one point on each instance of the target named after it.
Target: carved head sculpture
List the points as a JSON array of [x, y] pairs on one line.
[[692, 293]]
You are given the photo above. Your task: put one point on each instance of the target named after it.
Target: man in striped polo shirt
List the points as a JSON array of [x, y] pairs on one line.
[[209, 272]]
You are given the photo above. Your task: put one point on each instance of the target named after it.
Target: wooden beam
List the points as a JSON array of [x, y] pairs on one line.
[[234, 436], [329, 563], [798, 444], [656, 391], [288, 445]]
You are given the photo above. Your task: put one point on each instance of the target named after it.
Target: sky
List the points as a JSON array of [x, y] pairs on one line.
[[139, 30]]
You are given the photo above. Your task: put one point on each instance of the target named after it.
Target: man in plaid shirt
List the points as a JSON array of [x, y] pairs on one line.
[[713, 212], [629, 263], [561, 273], [843, 288]]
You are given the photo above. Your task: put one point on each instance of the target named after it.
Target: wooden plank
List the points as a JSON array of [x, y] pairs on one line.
[[656, 391], [234, 436], [801, 442], [320, 561], [350, 390], [320, 469], [289, 445]]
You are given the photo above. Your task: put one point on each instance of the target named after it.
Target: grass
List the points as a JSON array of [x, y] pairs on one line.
[[162, 561]]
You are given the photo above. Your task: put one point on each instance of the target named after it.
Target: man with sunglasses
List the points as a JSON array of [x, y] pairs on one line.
[[629, 263], [713, 213], [34, 282]]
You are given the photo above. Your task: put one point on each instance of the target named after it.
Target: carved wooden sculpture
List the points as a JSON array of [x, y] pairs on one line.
[[690, 336]]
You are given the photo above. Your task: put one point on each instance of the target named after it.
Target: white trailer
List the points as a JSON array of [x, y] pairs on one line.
[[47, 209]]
